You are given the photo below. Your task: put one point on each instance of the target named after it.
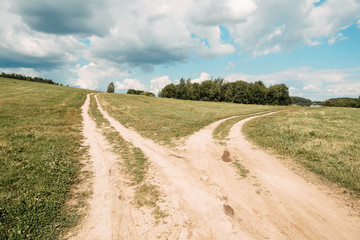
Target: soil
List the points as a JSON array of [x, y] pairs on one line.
[[204, 195]]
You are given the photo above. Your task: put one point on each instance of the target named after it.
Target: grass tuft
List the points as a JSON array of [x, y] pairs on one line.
[[241, 170]]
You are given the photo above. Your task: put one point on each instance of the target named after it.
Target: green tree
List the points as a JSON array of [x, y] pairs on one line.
[[169, 91], [111, 88], [278, 94]]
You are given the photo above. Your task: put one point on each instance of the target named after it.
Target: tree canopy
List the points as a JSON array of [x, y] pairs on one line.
[[140, 92], [218, 90], [27, 78]]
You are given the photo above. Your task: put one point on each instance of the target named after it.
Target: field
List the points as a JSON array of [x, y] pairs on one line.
[[325, 140], [40, 148], [41, 153], [168, 120]]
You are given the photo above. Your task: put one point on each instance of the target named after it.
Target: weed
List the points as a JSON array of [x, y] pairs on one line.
[[242, 171]]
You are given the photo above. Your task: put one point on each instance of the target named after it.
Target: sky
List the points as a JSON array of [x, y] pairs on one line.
[[312, 46]]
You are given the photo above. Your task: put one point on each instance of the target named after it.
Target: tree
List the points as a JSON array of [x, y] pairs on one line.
[[169, 91], [278, 94], [111, 88]]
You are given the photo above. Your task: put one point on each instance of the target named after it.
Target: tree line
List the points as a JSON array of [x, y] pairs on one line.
[[343, 102], [218, 90], [139, 92], [27, 78]]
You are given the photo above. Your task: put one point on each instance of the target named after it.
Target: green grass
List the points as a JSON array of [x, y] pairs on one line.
[[135, 164], [241, 170], [222, 131], [168, 120], [325, 140], [40, 152]]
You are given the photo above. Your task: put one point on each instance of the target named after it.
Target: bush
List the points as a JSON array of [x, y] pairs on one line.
[[111, 88]]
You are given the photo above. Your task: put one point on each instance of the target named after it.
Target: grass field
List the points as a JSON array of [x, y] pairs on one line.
[[40, 148], [325, 140], [166, 120]]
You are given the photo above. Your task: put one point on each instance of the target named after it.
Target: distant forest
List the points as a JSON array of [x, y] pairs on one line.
[[218, 90], [27, 78], [139, 92], [301, 101], [343, 102]]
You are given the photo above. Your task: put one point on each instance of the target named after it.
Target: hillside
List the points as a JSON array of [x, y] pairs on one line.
[[40, 152]]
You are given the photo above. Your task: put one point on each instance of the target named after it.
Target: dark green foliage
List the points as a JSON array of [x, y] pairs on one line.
[[169, 91], [343, 102], [217, 90], [139, 92], [27, 78], [278, 95], [301, 101], [111, 88]]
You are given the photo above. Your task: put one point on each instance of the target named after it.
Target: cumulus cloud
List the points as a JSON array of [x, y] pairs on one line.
[[203, 77], [83, 17], [25, 48], [213, 12], [159, 83], [130, 84], [92, 75], [265, 32]]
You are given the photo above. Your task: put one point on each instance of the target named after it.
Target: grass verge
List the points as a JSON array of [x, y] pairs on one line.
[[134, 162], [168, 120], [40, 152], [222, 131], [325, 140]]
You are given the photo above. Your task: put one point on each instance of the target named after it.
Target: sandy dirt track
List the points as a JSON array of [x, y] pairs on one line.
[[206, 198]]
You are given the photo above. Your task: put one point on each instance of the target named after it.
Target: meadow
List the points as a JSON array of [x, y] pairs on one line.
[[168, 120], [324, 140], [40, 152], [41, 146]]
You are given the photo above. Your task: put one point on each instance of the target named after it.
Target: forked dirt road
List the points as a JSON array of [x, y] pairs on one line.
[[206, 198]]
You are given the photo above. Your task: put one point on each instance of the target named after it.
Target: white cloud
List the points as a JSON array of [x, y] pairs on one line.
[[337, 38], [265, 32], [214, 12], [159, 83], [92, 75], [203, 77], [358, 24], [25, 48], [315, 84], [130, 84]]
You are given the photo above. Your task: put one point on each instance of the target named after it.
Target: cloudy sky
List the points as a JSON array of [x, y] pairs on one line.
[[312, 46]]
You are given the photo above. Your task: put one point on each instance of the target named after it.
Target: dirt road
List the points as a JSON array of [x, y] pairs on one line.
[[205, 196]]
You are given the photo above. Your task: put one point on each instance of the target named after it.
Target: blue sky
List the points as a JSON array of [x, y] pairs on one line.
[[312, 46]]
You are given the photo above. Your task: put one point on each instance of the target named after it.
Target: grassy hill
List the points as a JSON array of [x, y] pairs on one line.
[[167, 120], [40, 148]]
